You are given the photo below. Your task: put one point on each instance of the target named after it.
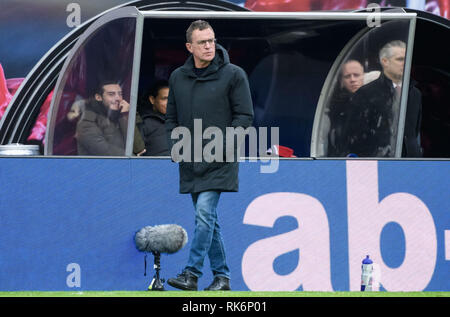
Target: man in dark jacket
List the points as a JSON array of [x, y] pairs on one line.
[[375, 110], [351, 78], [102, 129], [211, 89], [151, 119]]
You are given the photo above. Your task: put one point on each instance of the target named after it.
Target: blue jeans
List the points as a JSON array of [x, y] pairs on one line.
[[207, 236]]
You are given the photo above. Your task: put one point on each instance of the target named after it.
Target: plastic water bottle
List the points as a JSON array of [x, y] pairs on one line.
[[376, 277], [366, 275]]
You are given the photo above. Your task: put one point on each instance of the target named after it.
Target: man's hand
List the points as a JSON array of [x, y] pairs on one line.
[[124, 106]]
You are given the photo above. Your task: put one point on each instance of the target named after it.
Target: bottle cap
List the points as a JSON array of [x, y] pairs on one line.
[[367, 260]]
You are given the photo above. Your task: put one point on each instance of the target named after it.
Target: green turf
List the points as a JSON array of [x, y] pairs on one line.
[[219, 294]]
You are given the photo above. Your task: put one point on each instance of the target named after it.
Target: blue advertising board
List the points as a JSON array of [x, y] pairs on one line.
[[69, 224]]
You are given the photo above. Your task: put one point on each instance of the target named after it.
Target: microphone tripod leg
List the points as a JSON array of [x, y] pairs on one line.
[[157, 284]]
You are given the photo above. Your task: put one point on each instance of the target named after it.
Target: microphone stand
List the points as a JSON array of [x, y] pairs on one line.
[[157, 284]]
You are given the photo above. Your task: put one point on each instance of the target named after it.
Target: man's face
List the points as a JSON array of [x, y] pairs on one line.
[[111, 97], [160, 102], [393, 66], [352, 76], [203, 47]]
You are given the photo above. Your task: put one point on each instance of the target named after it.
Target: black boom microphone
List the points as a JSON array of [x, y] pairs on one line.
[[160, 239]]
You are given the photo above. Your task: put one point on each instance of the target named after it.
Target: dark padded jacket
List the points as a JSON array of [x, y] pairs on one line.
[[371, 124], [152, 128], [97, 135], [221, 98]]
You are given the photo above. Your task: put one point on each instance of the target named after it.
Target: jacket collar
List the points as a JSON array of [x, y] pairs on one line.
[[385, 80], [220, 59], [153, 114], [389, 82], [97, 107]]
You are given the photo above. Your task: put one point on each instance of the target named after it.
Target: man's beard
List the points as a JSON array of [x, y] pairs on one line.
[[113, 115]]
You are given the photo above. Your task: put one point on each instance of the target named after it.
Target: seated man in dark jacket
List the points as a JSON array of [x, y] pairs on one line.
[[151, 119], [375, 110], [351, 78], [102, 128]]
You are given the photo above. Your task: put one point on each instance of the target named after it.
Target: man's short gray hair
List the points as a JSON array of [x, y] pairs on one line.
[[386, 50], [196, 25]]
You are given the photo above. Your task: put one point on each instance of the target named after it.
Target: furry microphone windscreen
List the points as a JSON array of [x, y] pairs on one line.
[[162, 238]]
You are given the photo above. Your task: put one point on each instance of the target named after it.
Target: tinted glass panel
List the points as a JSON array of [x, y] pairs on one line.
[[93, 99], [361, 109]]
